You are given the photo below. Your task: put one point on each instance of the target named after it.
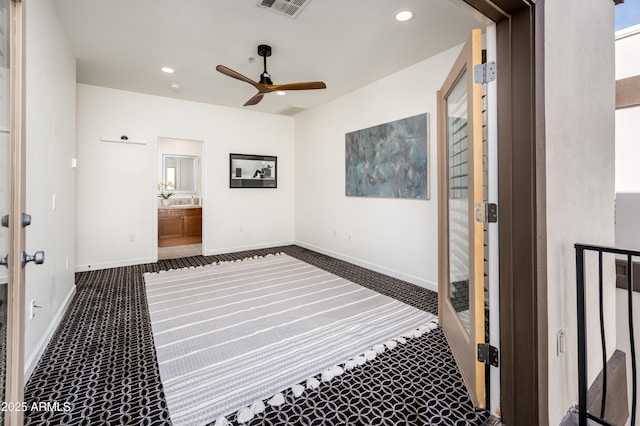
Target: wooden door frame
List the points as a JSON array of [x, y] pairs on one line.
[[522, 217], [14, 381]]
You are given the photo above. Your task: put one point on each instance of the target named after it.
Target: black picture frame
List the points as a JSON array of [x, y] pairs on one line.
[[253, 171]]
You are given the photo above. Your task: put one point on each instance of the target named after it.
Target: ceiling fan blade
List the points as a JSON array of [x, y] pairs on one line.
[[264, 86], [300, 86], [257, 98], [234, 74]]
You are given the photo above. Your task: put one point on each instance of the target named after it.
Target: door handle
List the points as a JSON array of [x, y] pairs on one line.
[[37, 258], [25, 220], [4, 261]]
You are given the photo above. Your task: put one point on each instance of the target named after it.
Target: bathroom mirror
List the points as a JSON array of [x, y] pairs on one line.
[[181, 170]]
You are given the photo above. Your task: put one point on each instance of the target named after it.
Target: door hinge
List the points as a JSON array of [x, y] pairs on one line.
[[484, 73], [486, 212], [488, 354]]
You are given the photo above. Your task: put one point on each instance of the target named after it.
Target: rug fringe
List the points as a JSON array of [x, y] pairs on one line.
[[276, 400], [222, 421], [258, 407], [220, 262], [313, 383], [245, 414], [297, 390]]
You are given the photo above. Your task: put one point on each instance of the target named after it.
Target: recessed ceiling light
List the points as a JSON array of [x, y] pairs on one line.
[[404, 15], [281, 92], [167, 70], [174, 86]]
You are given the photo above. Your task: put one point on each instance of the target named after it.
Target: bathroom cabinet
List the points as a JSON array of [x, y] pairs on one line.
[[179, 226]]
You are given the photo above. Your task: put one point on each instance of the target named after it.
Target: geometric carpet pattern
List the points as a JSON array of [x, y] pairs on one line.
[[102, 362]]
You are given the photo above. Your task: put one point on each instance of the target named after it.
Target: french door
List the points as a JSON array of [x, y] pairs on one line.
[[11, 208], [461, 241]]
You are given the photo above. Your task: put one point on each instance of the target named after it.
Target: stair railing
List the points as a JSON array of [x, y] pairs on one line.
[[583, 412]]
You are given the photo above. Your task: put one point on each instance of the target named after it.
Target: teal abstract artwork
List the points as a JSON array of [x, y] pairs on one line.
[[389, 160]]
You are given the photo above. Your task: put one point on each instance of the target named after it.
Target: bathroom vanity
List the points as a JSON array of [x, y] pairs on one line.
[[179, 225]]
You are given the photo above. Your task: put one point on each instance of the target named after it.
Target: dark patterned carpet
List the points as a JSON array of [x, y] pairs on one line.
[[102, 363]]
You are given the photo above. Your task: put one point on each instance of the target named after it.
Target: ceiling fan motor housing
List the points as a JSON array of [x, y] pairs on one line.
[[265, 78], [265, 51]]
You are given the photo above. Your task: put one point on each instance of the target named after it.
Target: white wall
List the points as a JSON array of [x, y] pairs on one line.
[[395, 236], [628, 148], [50, 137], [627, 52], [580, 169], [628, 119], [116, 183]]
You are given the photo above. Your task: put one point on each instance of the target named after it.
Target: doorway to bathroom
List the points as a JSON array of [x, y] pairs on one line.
[[180, 189]]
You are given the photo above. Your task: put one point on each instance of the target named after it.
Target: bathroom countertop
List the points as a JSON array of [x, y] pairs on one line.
[[180, 206]]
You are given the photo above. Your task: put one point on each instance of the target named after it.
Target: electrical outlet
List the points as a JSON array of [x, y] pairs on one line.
[[132, 238]]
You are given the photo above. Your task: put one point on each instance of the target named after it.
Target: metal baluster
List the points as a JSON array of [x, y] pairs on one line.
[[631, 338], [602, 337], [582, 345]]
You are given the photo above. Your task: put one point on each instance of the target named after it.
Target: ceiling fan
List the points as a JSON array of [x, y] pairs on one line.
[[265, 85]]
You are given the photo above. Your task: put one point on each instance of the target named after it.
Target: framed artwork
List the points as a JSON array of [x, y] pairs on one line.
[[389, 160], [253, 171]]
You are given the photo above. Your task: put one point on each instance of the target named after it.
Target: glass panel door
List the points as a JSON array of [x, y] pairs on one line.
[[458, 164], [461, 239]]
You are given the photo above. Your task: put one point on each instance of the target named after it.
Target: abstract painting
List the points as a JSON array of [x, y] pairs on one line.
[[389, 160]]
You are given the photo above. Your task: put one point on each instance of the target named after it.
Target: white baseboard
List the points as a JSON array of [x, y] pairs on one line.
[[234, 249], [32, 361], [114, 264], [429, 285]]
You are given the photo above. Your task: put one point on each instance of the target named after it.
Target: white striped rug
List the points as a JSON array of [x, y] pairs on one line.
[[230, 336]]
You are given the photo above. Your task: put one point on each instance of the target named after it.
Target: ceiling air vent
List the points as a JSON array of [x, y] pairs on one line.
[[290, 8], [291, 110]]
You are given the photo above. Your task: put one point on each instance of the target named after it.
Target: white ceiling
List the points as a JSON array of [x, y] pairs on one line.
[[345, 43]]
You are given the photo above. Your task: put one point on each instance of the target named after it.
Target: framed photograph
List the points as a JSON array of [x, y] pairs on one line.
[[253, 171]]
